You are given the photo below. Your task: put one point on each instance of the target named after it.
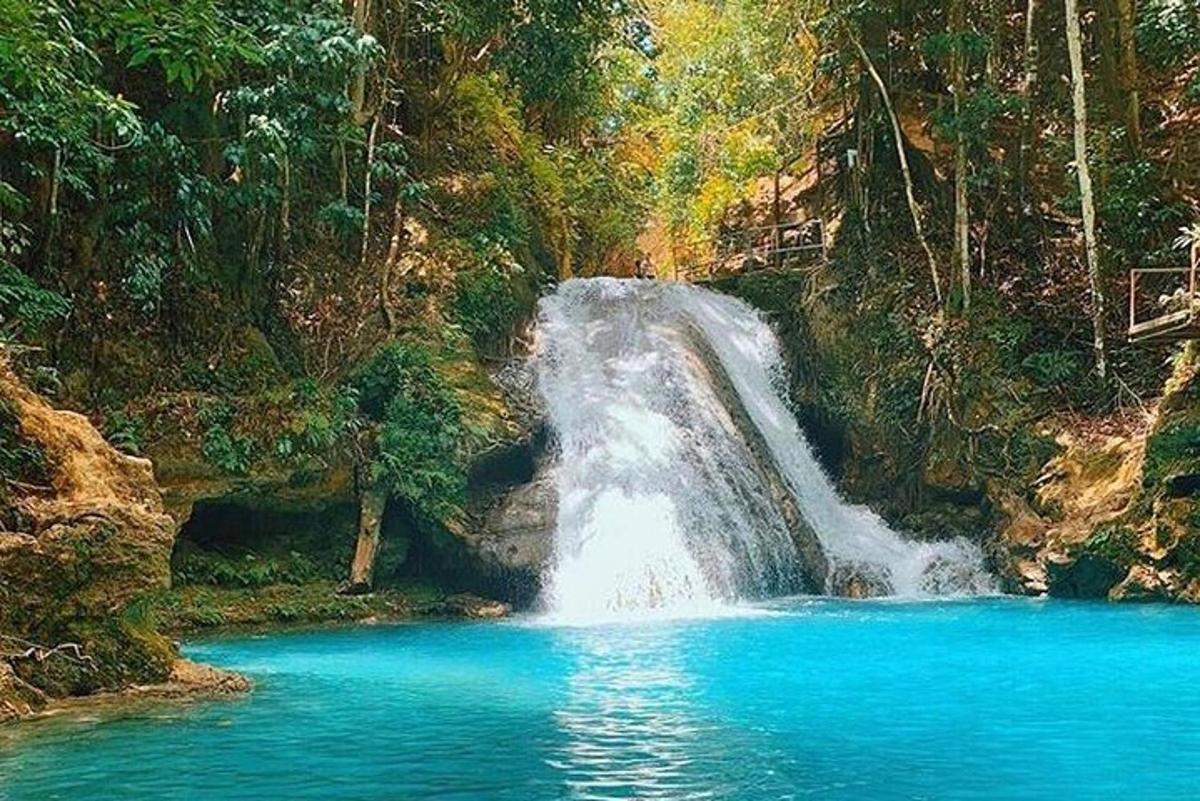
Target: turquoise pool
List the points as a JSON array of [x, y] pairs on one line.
[[994, 699]]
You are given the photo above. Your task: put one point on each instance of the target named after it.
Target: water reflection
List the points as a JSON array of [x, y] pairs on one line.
[[630, 724]]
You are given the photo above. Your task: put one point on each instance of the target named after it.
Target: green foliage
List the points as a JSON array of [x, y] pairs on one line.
[[1173, 448], [1138, 223], [484, 303], [552, 48], [20, 459], [1186, 553], [195, 566], [420, 429], [723, 100], [60, 116], [343, 219], [1052, 368], [193, 42], [1009, 335], [125, 431], [978, 115], [25, 307], [320, 418], [230, 451], [1168, 31], [1115, 542]]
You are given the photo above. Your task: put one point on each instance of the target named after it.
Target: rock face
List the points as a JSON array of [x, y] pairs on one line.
[[517, 535], [1117, 516], [814, 567], [89, 546], [1043, 544], [514, 509]]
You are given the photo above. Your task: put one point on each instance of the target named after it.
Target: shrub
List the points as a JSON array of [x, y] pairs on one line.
[[1114, 542], [221, 446], [1168, 31], [124, 431], [243, 569], [420, 427], [484, 304]]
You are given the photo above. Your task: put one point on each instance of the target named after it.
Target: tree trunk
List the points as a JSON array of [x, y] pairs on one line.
[[1079, 106], [913, 208], [1028, 87], [370, 521], [366, 223], [1118, 68], [962, 223], [389, 264], [359, 14], [777, 213], [1127, 75], [285, 209]]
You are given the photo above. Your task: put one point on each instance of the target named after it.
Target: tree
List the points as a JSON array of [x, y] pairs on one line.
[[1079, 107], [914, 209], [1118, 68], [1028, 87], [962, 235]]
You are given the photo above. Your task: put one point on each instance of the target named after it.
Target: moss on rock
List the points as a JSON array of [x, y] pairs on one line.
[[94, 542]]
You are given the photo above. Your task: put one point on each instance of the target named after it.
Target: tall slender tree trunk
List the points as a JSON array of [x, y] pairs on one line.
[[962, 222], [366, 223], [1028, 90], [1079, 106], [359, 16], [913, 209]]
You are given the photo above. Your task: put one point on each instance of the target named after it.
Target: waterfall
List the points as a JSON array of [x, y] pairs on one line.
[[680, 466]]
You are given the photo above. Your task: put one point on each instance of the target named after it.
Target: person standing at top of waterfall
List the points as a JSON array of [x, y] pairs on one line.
[[643, 269]]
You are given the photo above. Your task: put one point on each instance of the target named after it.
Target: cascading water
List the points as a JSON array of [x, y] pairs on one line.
[[661, 397]]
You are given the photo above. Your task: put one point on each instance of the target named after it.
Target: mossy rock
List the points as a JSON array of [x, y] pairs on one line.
[[112, 654]]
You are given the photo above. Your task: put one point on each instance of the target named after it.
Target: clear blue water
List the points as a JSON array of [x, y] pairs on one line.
[[997, 699]]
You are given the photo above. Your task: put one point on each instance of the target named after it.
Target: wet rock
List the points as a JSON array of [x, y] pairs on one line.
[[1145, 583], [476, 608], [1032, 575], [17, 699], [518, 533], [813, 568], [512, 542], [856, 581], [193, 678]]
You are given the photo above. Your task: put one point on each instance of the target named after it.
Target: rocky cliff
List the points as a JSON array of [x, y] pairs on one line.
[[1116, 514], [86, 541]]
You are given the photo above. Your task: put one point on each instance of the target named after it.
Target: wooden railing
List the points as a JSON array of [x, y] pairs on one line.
[[754, 248], [1173, 323]]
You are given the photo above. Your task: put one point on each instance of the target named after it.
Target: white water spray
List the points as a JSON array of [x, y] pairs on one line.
[[664, 504]]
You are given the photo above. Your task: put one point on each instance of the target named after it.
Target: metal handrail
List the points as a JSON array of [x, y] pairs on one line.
[[741, 242], [1172, 321]]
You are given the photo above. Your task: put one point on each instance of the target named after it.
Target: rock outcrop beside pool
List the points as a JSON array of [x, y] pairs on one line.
[[87, 539]]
